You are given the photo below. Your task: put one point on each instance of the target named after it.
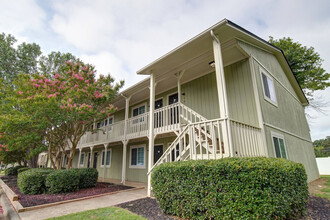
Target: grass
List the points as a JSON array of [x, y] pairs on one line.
[[102, 213], [325, 191], [2, 172]]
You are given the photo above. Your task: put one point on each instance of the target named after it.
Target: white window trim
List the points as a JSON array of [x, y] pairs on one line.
[[168, 96], [138, 106], [110, 149], [277, 135], [262, 71], [113, 121], [161, 98], [130, 157], [82, 164]]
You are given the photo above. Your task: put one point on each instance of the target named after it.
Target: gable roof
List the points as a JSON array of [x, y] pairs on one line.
[[225, 30]]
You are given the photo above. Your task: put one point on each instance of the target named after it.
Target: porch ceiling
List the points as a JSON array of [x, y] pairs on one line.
[[195, 64]]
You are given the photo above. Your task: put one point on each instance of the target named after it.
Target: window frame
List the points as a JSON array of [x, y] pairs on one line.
[[83, 162], [161, 98], [108, 125], [139, 121], [144, 157], [168, 98], [110, 149], [279, 136], [264, 72]]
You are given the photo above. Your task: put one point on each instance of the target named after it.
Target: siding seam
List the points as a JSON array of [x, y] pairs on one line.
[[287, 132]]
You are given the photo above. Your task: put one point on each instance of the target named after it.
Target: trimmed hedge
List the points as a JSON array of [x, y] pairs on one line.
[[87, 177], [62, 181], [32, 181], [20, 170], [12, 171], [232, 188]]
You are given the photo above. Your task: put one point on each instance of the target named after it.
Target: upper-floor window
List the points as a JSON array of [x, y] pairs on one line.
[[279, 145], [138, 111], [269, 88], [172, 99]]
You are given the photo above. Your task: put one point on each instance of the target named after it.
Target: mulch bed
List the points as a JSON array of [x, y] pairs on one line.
[[318, 208], [33, 200], [147, 208]]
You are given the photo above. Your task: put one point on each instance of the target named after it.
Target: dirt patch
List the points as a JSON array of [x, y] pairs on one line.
[[33, 200], [316, 186], [147, 208]]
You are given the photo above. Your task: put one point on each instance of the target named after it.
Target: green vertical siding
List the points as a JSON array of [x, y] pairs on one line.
[[288, 115], [241, 100], [201, 95]]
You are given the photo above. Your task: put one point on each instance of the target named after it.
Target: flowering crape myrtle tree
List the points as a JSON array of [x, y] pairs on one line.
[[68, 103]]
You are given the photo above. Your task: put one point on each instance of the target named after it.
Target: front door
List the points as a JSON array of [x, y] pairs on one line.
[[89, 160], [95, 159], [158, 152]]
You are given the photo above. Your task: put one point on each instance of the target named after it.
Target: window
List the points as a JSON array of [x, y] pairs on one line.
[[110, 121], [82, 159], [269, 89], [107, 159], [158, 103], [279, 145], [137, 157], [172, 99], [138, 111]]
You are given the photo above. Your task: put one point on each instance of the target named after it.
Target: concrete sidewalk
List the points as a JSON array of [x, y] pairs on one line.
[[83, 205]]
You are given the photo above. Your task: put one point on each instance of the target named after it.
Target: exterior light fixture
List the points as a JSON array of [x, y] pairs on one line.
[[212, 64]]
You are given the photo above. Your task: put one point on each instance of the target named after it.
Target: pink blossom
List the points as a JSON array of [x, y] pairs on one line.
[[20, 92], [76, 86], [36, 85]]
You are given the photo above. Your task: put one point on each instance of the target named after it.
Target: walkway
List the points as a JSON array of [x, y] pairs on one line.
[[83, 205]]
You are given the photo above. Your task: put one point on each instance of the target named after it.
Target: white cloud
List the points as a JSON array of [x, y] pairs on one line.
[[106, 63], [21, 16]]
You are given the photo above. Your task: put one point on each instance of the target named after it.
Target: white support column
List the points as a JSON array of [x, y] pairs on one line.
[[151, 129], [123, 168], [105, 160], [91, 158], [123, 171], [179, 76], [79, 158], [222, 93]]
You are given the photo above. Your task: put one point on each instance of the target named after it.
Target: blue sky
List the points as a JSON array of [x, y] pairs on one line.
[[120, 37]]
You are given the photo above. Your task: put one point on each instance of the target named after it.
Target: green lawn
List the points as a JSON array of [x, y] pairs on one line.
[[325, 191], [100, 214]]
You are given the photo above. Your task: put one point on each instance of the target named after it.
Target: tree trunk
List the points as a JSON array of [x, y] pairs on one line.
[[33, 162]]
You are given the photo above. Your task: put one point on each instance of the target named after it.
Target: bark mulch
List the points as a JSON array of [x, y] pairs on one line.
[[317, 209], [33, 200], [147, 208]]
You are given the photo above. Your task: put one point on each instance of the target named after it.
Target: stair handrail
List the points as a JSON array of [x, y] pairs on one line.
[[170, 148]]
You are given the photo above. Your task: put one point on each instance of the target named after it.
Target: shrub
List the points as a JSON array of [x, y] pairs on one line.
[[232, 188], [87, 177], [62, 181], [20, 170], [12, 171], [32, 181]]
